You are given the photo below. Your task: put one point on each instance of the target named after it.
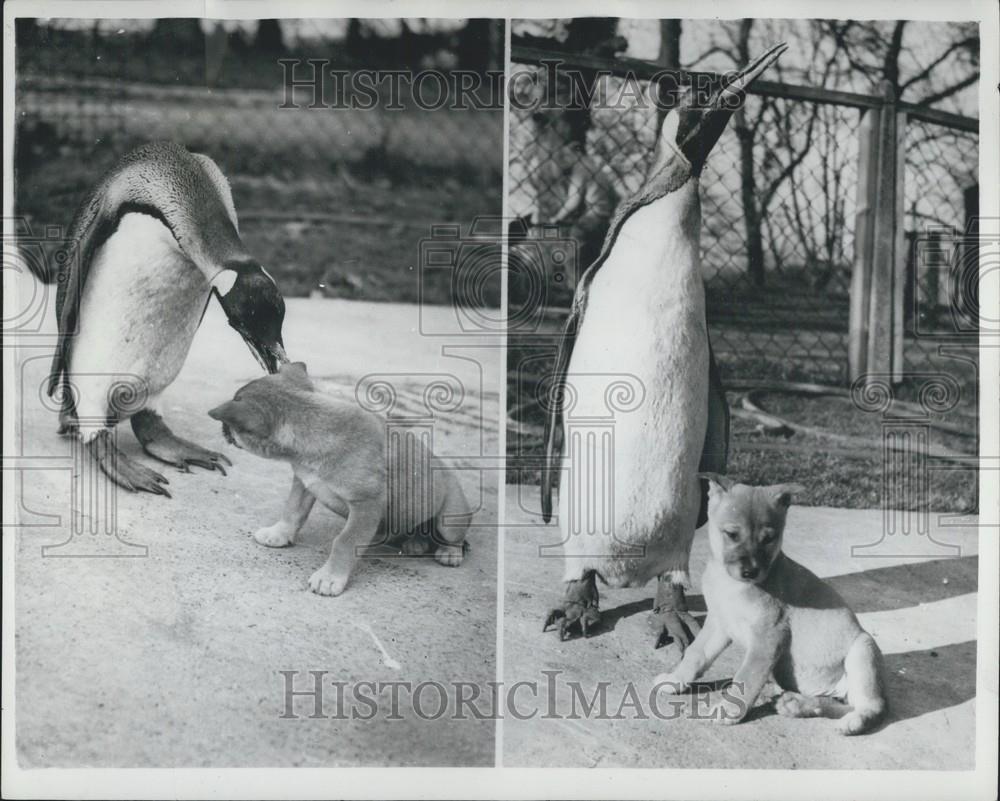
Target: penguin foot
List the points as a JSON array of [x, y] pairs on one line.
[[161, 443], [671, 625], [581, 605], [670, 620], [123, 471]]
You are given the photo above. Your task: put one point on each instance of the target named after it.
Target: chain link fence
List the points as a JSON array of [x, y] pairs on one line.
[[789, 224], [941, 205], [779, 203], [334, 200]]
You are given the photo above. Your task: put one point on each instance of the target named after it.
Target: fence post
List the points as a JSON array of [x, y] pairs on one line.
[[965, 283], [881, 310], [857, 349], [900, 254]]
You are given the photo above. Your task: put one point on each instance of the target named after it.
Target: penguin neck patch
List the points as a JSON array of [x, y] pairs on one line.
[[668, 138], [680, 155], [223, 281]]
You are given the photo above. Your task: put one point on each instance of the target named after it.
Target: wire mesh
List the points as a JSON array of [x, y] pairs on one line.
[[778, 200], [335, 199], [940, 218]]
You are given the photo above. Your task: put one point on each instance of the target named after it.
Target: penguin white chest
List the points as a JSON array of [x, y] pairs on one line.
[[645, 314], [140, 308], [643, 330]]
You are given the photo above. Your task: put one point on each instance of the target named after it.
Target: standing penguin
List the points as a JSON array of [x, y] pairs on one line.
[[155, 238], [639, 310]]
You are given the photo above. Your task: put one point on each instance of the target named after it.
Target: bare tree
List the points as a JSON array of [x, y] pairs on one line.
[[784, 137], [670, 43], [269, 38], [874, 50]]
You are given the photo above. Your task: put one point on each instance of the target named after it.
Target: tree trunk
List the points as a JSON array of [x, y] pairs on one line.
[[669, 57], [269, 38], [179, 36], [748, 180], [670, 44], [890, 67]]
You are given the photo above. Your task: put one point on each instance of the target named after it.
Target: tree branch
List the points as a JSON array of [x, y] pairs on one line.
[[951, 90], [925, 73], [890, 68]]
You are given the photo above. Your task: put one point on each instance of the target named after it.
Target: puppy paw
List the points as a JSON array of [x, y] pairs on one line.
[[276, 536], [852, 723], [417, 545], [325, 582], [795, 705], [719, 711], [450, 555], [670, 683]]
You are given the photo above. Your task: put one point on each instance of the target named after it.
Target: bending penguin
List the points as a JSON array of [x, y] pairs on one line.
[[639, 311], [153, 242]]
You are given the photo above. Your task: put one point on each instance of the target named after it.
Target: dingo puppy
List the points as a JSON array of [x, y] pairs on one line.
[[338, 454], [788, 620]]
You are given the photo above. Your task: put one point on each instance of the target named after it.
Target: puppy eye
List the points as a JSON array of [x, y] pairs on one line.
[[733, 533], [767, 536]]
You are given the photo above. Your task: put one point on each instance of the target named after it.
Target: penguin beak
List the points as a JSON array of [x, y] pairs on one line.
[[270, 357], [701, 136], [280, 357]]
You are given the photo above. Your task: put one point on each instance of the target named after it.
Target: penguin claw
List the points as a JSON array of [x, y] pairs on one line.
[[156, 490], [573, 615], [183, 455], [161, 443], [674, 626], [208, 464], [579, 608], [125, 473]]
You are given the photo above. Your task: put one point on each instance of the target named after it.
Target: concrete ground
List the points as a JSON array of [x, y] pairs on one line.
[[920, 608], [170, 655]]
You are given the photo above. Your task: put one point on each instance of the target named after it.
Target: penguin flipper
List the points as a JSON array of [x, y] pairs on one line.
[[554, 418], [92, 225], [715, 452]]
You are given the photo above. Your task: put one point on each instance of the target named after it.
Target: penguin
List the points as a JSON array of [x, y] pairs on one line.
[[151, 244], [639, 310]]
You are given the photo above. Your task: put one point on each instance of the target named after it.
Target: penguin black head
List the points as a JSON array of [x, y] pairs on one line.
[[255, 309], [700, 113]]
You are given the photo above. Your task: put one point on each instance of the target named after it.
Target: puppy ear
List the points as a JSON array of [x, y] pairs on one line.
[[295, 372], [246, 417], [289, 368], [781, 494], [717, 484]]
